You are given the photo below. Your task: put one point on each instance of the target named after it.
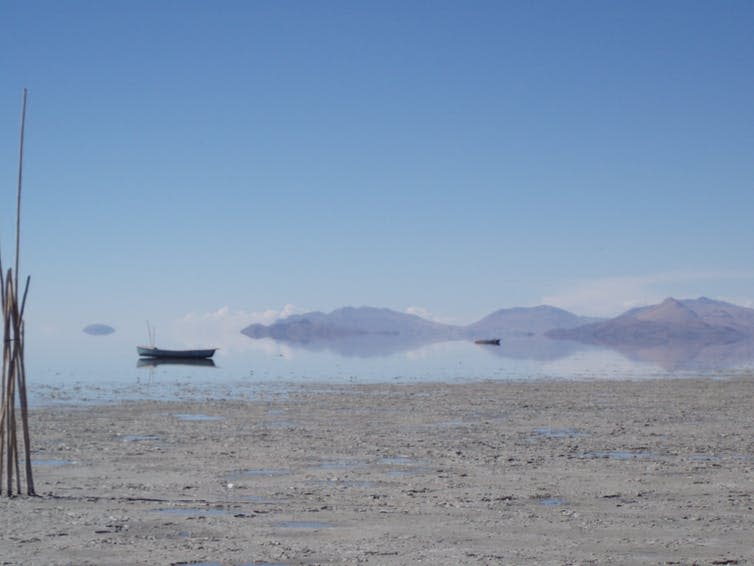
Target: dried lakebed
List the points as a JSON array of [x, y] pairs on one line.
[[650, 472]]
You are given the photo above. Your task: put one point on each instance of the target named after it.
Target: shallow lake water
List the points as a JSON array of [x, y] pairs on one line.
[[79, 368]]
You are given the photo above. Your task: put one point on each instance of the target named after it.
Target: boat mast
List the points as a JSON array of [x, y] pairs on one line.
[[151, 335]]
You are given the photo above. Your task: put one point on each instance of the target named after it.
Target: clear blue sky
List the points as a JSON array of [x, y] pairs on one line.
[[454, 156]]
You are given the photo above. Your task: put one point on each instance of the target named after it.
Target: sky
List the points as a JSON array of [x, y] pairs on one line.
[[237, 160]]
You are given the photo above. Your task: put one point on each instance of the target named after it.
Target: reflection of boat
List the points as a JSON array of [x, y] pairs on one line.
[[151, 352], [489, 342], [154, 362]]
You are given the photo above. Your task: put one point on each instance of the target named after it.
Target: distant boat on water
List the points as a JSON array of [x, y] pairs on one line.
[[488, 342], [151, 352]]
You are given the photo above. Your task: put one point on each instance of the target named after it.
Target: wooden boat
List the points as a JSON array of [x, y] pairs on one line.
[[489, 342], [151, 352], [154, 353]]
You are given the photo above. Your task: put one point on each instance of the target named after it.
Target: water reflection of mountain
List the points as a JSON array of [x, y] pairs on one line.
[[364, 345], [676, 335], [687, 335], [669, 357], [369, 332], [538, 348], [682, 356]]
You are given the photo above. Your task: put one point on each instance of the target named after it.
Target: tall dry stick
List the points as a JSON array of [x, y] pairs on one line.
[[21, 369], [20, 182], [3, 403], [13, 367]]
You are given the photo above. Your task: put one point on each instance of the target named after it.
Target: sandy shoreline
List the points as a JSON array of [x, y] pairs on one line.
[[651, 472]]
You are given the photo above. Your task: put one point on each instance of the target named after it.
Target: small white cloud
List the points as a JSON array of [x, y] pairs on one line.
[[419, 311], [222, 328], [428, 315]]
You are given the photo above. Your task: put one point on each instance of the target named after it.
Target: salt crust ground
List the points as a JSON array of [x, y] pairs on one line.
[[601, 472]]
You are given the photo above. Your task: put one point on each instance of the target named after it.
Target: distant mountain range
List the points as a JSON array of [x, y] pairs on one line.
[[675, 334], [700, 321], [350, 322], [696, 322], [524, 321], [386, 323]]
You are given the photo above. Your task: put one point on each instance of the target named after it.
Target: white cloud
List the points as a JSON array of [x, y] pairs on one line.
[[609, 296], [222, 328], [428, 315]]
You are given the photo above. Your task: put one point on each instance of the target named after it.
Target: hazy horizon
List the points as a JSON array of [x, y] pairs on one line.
[[237, 160], [196, 328]]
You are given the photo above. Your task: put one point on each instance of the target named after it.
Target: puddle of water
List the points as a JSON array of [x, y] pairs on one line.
[[139, 438], [408, 472], [408, 466], [450, 424], [704, 458], [52, 462], [340, 464], [260, 473], [552, 501], [196, 417], [303, 525], [192, 512], [618, 454], [356, 484], [397, 461], [559, 432], [258, 499]]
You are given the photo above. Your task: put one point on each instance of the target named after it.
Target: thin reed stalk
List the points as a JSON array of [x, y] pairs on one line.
[[13, 393], [20, 182]]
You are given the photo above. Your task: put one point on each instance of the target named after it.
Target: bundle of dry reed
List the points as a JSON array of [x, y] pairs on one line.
[[13, 398]]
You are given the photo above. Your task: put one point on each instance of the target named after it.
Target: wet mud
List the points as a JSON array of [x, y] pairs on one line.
[[650, 472]]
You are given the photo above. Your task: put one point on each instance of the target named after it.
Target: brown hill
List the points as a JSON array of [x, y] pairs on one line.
[[691, 321]]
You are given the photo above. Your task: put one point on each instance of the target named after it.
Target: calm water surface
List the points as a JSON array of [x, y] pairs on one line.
[[81, 368]]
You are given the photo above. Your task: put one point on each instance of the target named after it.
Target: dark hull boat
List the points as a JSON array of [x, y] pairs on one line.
[[490, 342], [149, 352]]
